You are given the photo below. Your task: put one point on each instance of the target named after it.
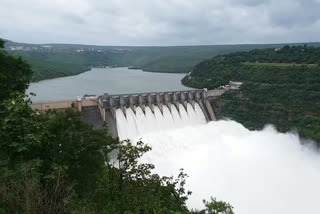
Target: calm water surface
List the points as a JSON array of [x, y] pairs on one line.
[[105, 80]]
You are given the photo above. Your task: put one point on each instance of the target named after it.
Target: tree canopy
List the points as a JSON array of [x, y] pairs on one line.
[[15, 74], [1, 43]]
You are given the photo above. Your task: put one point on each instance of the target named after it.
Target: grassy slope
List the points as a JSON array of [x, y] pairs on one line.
[[278, 64]]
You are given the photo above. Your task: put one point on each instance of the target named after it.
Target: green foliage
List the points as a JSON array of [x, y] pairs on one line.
[[217, 207], [15, 75], [133, 188], [48, 64], [48, 70], [59, 140], [22, 191], [21, 130], [276, 89], [57, 149]]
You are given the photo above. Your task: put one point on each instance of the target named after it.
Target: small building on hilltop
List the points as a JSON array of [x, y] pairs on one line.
[[232, 86], [235, 85]]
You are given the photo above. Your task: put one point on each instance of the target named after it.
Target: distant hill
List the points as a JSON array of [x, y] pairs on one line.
[[57, 60], [280, 87]]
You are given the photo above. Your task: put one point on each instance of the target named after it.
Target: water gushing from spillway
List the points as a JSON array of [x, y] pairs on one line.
[[256, 171], [134, 125]]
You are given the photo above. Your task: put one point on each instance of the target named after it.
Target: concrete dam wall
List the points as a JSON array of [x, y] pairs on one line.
[[128, 115]]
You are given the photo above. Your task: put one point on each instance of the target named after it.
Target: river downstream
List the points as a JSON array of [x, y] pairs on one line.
[[98, 81]]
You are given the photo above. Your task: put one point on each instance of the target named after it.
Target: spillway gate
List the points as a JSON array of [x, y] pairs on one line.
[[169, 99]]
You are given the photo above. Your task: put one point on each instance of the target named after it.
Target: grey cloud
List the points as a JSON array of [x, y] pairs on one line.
[[251, 3], [73, 18], [294, 13], [160, 22]]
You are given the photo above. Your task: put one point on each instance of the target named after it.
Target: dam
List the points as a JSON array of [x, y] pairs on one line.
[[129, 115]]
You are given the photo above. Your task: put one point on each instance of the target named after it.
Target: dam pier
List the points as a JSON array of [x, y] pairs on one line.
[[106, 108]]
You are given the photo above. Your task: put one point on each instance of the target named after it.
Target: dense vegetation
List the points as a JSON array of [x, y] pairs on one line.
[[179, 59], [281, 87], [58, 60], [54, 163], [48, 64]]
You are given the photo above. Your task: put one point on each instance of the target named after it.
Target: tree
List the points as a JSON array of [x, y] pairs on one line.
[[1, 43], [58, 148], [15, 75], [217, 207], [73, 145], [133, 188], [21, 191], [21, 131]]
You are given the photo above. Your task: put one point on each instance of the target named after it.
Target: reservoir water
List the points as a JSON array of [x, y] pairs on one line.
[[98, 81]]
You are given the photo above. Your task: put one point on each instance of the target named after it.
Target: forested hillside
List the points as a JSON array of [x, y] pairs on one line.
[[58, 60], [281, 87], [48, 63]]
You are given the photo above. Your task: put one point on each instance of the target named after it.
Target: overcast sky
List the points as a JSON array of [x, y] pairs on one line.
[[160, 22]]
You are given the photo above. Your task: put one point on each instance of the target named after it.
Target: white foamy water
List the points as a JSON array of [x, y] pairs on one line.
[[137, 124], [256, 171]]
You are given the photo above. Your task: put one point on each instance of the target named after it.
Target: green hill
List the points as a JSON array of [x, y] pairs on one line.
[[281, 87], [58, 60]]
